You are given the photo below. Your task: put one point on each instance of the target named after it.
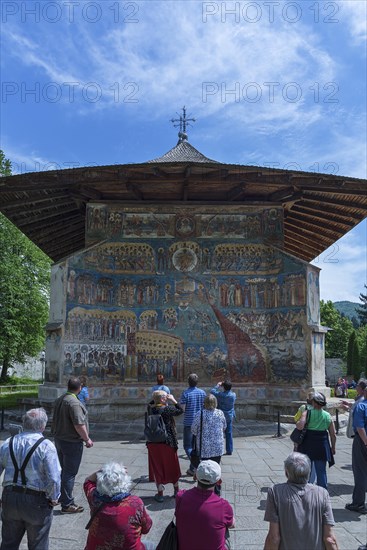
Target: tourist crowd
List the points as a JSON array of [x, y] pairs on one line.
[[39, 474]]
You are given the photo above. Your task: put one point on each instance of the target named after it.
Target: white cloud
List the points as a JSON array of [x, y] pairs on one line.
[[344, 267], [170, 54], [354, 14]]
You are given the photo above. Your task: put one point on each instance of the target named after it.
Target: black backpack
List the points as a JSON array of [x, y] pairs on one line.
[[155, 429]]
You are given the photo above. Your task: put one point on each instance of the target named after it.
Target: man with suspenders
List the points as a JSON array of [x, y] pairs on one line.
[[31, 485]]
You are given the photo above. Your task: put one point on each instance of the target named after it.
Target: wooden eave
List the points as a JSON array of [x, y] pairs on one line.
[[49, 207]]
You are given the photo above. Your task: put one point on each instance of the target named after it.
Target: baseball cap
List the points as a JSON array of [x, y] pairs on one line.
[[208, 472]]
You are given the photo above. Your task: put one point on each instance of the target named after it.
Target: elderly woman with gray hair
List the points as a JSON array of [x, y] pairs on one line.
[[316, 444], [118, 518]]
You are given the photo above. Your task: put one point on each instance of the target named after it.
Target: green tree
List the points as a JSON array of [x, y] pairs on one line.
[[353, 356], [361, 335], [336, 341], [362, 310], [24, 292]]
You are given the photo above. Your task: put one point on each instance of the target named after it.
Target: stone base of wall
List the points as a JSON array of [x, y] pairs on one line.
[[119, 404]]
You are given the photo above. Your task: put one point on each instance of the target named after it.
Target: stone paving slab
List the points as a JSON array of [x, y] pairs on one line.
[[256, 464]]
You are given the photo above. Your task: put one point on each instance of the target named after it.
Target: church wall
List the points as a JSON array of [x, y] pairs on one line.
[[174, 290]]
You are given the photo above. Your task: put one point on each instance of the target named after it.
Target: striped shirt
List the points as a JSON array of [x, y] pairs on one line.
[[193, 399]]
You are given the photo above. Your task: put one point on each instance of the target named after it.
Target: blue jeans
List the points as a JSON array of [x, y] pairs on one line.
[[22, 514], [320, 467], [70, 457], [187, 443]]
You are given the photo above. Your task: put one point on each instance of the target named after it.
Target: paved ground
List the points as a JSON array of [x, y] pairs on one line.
[[256, 464]]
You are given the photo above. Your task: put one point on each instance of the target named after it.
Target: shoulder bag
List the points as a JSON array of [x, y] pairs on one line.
[[169, 540], [195, 454], [297, 436]]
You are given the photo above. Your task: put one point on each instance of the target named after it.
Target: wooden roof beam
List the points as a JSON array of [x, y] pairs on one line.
[[88, 192], [338, 202], [159, 173], [53, 215], [287, 194], [135, 191], [299, 242], [40, 208], [52, 234], [326, 209], [58, 225], [236, 192], [324, 218], [295, 224], [185, 190], [26, 200], [62, 250]]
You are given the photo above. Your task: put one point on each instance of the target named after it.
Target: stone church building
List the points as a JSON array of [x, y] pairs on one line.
[[183, 264]]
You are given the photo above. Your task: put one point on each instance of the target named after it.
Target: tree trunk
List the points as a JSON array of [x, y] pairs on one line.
[[4, 372]]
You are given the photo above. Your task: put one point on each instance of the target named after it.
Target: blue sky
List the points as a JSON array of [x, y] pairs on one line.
[[270, 83]]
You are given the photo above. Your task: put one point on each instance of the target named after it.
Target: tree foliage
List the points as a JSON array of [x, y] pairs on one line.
[[353, 356], [336, 341], [362, 310], [361, 335], [24, 292]]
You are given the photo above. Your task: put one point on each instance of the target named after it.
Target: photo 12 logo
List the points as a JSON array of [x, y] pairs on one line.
[[70, 12], [70, 92], [270, 12], [253, 92]]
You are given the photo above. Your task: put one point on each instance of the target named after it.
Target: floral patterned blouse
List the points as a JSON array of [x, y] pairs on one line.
[[168, 413], [118, 525], [214, 424]]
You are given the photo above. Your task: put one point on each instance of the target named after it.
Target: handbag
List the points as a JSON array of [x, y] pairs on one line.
[[169, 540], [297, 436], [195, 454]]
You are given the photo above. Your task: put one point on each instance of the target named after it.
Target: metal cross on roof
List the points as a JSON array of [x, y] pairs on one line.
[[182, 122]]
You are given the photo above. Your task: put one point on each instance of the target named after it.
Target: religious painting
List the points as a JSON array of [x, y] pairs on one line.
[[178, 291]]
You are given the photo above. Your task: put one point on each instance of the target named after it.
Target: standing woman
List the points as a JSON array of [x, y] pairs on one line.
[[316, 444], [163, 462], [213, 427]]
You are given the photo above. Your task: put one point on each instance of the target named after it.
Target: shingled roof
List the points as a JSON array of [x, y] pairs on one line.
[[49, 207], [183, 152]]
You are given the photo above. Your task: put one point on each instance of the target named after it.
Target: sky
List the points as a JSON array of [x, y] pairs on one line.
[[270, 83]]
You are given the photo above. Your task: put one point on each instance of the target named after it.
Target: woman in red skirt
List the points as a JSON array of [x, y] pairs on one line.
[[163, 461]]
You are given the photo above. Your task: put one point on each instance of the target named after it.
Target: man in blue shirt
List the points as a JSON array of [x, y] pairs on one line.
[[192, 401], [31, 485], [226, 400], [359, 457], [160, 384]]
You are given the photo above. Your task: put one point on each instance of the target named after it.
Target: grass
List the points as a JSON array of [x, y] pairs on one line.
[[9, 400]]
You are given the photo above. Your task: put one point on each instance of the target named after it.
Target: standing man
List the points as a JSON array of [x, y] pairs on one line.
[[31, 485], [192, 401], [226, 400], [299, 513], [359, 457], [202, 517], [70, 430]]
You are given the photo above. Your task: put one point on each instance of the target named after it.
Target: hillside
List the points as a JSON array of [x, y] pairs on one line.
[[348, 308]]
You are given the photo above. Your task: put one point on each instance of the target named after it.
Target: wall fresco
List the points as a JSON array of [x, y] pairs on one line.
[[182, 291], [106, 222]]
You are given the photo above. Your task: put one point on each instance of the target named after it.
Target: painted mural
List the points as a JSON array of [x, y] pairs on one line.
[[182, 291]]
